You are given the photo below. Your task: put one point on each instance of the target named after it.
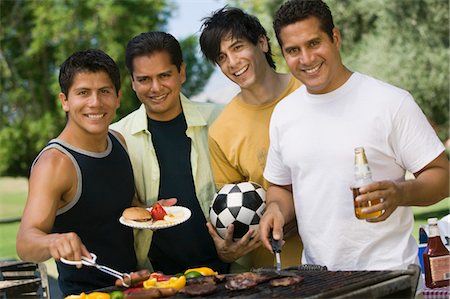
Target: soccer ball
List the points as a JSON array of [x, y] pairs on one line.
[[240, 204]]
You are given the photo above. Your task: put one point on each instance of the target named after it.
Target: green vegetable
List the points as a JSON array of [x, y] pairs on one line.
[[117, 295], [193, 274]]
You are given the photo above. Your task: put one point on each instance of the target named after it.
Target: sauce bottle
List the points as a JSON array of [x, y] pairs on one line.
[[436, 258], [363, 176]]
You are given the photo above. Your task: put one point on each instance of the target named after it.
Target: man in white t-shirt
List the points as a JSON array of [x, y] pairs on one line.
[[313, 133]]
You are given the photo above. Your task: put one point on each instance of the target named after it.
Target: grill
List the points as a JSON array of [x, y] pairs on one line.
[[23, 280], [319, 283], [334, 284]]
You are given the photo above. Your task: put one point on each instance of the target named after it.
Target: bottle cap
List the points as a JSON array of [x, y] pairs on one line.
[[432, 221]]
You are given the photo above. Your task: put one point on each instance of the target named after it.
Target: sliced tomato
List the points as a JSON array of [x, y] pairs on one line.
[[158, 212]]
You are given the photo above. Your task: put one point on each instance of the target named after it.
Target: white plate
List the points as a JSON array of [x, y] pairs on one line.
[[182, 214]]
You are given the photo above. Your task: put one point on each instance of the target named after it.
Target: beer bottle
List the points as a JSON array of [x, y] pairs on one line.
[[436, 258], [363, 176]]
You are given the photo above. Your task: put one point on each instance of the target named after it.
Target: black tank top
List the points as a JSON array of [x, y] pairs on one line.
[[105, 189], [189, 244]]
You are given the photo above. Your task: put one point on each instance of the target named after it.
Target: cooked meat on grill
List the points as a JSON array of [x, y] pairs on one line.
[[200, 280], [286, 281], [199, 289], [136, 278], [245, 280], [220, 277]]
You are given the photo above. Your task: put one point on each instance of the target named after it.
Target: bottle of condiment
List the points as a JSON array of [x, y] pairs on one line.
[[436, 258], [363, 176]]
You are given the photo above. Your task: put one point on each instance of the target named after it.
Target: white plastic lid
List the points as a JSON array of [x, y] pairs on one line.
[[432, 221]]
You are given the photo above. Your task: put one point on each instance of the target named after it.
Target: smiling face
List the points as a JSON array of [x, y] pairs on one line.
[[241, 61], [157, 83], [312, 57], [91, 103]]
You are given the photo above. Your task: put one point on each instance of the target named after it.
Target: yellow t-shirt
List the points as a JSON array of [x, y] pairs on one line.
[[238, 144]]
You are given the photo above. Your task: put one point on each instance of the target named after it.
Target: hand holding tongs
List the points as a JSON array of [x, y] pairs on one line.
[[92, 263]]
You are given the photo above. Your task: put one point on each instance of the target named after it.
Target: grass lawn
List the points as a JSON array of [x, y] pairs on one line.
[[421, 214], [13, 192]]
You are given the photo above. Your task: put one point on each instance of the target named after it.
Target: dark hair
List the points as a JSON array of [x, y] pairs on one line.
[[297, 10], [148, 43], [234, 21], [90, 60]]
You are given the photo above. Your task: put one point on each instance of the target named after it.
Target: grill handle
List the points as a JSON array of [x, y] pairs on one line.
[[308, 267]]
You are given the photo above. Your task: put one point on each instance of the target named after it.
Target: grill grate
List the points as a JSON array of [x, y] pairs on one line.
[[319, 283], [326, 284]]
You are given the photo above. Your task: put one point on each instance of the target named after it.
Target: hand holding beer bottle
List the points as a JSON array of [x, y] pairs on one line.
[[363, 176]]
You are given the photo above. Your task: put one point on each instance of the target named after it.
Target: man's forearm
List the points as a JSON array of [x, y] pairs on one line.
[[430, 186], [282, 197]]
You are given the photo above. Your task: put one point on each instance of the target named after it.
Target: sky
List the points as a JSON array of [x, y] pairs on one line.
[[187, 20]]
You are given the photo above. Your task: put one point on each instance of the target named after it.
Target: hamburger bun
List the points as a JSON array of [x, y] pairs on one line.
[[137, 214]]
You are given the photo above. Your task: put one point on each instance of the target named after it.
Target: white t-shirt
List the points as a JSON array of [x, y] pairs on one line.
[[312, 141]]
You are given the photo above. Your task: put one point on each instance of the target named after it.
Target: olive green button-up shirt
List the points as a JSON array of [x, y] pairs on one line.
[[133, 127]]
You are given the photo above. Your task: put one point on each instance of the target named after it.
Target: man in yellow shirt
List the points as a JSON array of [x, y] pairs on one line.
[[239, 138]]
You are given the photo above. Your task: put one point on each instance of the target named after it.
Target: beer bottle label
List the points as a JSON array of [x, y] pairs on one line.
[[361, 169]]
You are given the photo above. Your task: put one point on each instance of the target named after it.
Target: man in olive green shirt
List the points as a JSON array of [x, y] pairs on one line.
[[167, 139]]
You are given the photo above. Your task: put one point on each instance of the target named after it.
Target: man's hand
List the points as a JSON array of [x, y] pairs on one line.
[[68, 246], [431, 184], [390, 193], [229, 250], [271, 225], [167, 202]]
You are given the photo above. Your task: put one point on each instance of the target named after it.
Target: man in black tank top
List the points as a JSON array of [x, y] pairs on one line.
[[81, 182], [167, 143]]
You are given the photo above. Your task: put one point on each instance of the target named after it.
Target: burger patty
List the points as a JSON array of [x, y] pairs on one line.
[[246, 280]]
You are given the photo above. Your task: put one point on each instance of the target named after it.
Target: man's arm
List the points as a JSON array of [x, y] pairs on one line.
[[431, 184], [52, 179], [279, 211]]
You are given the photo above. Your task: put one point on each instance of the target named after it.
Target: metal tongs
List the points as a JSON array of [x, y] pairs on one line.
[[276, 247], [93, 263]]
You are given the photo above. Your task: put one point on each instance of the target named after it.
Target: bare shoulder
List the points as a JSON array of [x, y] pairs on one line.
[[54, 159], [54, 175], [52, 183]]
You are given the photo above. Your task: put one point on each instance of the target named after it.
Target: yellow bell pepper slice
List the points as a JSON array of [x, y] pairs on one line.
[[174, 282], [98, 295], [205, 271], [81, 296]]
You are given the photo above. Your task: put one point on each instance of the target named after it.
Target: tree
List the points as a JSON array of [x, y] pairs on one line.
[[197, 71], [37, 36], [404, 43]]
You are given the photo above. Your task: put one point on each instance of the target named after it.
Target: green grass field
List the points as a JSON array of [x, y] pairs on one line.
[[13, 192]]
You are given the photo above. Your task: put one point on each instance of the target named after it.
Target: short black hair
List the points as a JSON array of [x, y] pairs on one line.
[[151, 42], [90, 60], [234, 21], [297, 10]]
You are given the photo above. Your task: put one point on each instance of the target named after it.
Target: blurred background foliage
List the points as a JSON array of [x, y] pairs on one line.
[[37, 36], [403, 42]]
